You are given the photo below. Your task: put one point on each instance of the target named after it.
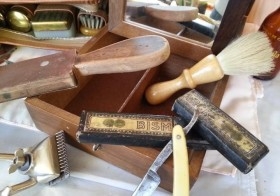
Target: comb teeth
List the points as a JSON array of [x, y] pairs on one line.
[[91, 21], [62, 158]]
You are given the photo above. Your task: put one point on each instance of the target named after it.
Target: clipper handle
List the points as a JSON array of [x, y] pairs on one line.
[[7, 157], [11, 190], [205, 71]]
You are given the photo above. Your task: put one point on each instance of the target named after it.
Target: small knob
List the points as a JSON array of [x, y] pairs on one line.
[[18, 161]]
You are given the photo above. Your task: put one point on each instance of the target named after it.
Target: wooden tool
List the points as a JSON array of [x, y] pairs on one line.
[[251, 54], [55, 72], [161, 11], [172, 13]]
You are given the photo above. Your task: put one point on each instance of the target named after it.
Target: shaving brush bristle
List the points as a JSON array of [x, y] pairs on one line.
[[251, 54], [91, 24]]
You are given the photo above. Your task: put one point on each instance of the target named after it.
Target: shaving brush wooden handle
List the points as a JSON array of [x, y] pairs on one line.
[[250, 54], [205, 71]]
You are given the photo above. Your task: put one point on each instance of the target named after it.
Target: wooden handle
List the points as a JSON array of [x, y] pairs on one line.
[[181, 185], [172, 13], [205, 71], [55, 72], [38, 75], [130, 55]]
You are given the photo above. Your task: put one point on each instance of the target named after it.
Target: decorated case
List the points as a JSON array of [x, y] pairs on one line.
[[132, 129], [226, 135]]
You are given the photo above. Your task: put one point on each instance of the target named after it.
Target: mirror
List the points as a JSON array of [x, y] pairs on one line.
[[193, 19], [230, 26]]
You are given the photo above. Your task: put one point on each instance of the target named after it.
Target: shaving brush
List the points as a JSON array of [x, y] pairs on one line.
[[92, 23], [250, 54]]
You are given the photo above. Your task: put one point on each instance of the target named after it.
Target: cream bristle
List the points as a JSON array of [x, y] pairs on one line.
[[250, 54]]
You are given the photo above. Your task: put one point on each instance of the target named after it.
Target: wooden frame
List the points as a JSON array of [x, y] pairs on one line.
[[235, 16]]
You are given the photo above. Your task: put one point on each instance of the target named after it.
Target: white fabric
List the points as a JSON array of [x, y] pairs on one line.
[[268, 172]]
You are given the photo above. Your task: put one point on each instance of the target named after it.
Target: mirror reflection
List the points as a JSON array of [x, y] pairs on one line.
[[194, 19]]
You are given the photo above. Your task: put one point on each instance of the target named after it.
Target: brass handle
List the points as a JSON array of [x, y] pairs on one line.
[[11, 190], [7, 157]]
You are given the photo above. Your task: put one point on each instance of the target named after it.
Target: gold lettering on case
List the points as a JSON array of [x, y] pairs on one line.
[[126, 123]]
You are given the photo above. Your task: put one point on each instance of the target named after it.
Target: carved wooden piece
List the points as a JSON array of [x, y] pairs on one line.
[[54, 72], [172, 13], [205, 71], [125, 56], [36, 76]]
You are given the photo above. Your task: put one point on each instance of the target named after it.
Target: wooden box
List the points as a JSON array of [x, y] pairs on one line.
[[124, 92]]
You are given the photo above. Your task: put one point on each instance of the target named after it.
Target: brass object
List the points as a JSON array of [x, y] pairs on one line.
[[44, 163], [90, 23], [52, 21], [19, 17]]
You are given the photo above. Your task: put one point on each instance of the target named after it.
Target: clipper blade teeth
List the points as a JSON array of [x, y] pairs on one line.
[[62, 158]]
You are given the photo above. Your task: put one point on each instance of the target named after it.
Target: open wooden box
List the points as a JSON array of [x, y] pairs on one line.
[[124, 92]]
